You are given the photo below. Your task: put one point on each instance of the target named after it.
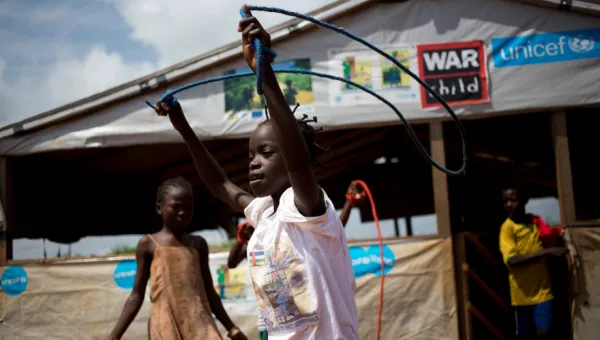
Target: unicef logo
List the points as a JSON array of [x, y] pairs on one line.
[[581, 44], [124, 274], [368, 260], [14, 280]]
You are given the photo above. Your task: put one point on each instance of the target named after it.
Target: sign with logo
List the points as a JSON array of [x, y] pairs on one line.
[[456, 71], [14, 280], [124, 274], [368, 260], [546, 48]]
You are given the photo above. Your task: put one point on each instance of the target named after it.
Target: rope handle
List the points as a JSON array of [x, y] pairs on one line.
[[260, 52]]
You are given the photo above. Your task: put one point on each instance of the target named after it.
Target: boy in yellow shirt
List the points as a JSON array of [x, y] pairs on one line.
[[525, 256]]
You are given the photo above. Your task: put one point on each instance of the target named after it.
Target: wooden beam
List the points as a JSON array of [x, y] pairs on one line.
[[440, 182], [5, 240], [564, 180]]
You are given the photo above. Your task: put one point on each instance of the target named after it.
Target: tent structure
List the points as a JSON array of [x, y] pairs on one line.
[[523, 76]]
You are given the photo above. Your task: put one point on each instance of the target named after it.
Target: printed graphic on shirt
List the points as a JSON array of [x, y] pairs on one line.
[[284, 299]]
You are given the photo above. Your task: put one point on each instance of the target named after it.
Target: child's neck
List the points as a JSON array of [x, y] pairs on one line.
[[170, 232], [522, 218]]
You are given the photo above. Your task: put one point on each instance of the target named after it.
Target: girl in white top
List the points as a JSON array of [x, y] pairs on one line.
[[298, 255]]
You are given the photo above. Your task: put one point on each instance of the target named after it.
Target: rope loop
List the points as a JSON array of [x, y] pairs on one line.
[[265, 54]]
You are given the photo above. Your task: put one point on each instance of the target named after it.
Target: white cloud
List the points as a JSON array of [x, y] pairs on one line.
[[72, 78], [69, 79], [176, 30], [181, 29]]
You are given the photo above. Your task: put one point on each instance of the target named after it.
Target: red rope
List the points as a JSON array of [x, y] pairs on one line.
[[365, 188]]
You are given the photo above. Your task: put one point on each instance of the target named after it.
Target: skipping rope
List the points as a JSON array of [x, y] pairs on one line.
[[265, 54]]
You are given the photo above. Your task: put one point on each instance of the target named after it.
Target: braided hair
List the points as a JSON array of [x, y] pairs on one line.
[[308, 132], [177, 182]]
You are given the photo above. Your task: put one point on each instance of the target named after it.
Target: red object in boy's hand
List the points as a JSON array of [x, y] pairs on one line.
[[354, 195], [547, 234], [245, 231]]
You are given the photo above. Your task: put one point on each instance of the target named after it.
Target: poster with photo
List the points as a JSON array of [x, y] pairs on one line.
[[374, 72], [242, 100]]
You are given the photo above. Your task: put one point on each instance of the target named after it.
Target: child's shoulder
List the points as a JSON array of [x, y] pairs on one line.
[[146, 244], [198, 242]]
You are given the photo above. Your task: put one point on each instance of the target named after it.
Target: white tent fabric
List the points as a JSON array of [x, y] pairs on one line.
[[484, 56]]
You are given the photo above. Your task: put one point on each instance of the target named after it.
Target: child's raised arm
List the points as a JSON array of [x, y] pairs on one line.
[[209, 170], [308, 195], [143, 256]]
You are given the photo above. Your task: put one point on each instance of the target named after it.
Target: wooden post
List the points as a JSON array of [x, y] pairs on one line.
[[409, 231], [440, 182], [564, 181], [462, 288], [396, 227], [4, 211]]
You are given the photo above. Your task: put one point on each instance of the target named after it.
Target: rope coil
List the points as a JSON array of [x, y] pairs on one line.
[[260, 54]]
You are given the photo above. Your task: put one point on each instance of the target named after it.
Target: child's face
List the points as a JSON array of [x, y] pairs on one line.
[[268, 174], [513, 202], [177, 208]]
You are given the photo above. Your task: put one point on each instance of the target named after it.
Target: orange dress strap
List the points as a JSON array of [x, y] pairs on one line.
[[153, 240]]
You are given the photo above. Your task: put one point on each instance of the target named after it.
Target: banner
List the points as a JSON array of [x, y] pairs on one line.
[[83, 300], [373, 72], [540, 59], [583, 245], [242, 100], [456, 71]]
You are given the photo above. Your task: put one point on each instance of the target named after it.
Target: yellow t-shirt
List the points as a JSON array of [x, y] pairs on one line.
[[529, 283]]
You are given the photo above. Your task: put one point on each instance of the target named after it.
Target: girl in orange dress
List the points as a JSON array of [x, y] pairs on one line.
[[181, 286]]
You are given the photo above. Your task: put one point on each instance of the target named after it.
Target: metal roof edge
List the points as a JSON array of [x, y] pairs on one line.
[[159, 78], [575, 6]]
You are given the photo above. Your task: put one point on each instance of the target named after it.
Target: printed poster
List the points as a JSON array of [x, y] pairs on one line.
[[242, 100], [456, 71], [374, 72]]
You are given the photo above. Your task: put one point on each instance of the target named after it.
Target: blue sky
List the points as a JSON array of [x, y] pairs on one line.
[[55, 52]]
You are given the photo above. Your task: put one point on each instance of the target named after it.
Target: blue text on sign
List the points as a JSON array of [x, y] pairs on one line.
[[546, 47]]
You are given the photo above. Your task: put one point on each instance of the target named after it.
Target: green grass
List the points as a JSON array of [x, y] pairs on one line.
[[122, 250], [128, 250]]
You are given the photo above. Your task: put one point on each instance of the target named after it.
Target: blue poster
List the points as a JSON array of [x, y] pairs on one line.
[[124, 274], [368, 260], [14, 280]]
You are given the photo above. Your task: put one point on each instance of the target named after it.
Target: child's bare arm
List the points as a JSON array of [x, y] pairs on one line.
[[143, 257], [357, 196], [209, 170], [308, 195], [236, 255], [214, 300], [521, 260], [345, 214]]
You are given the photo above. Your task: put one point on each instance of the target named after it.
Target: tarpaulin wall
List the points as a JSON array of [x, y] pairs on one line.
[[84, 300], [584, 246], [481, 56]]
